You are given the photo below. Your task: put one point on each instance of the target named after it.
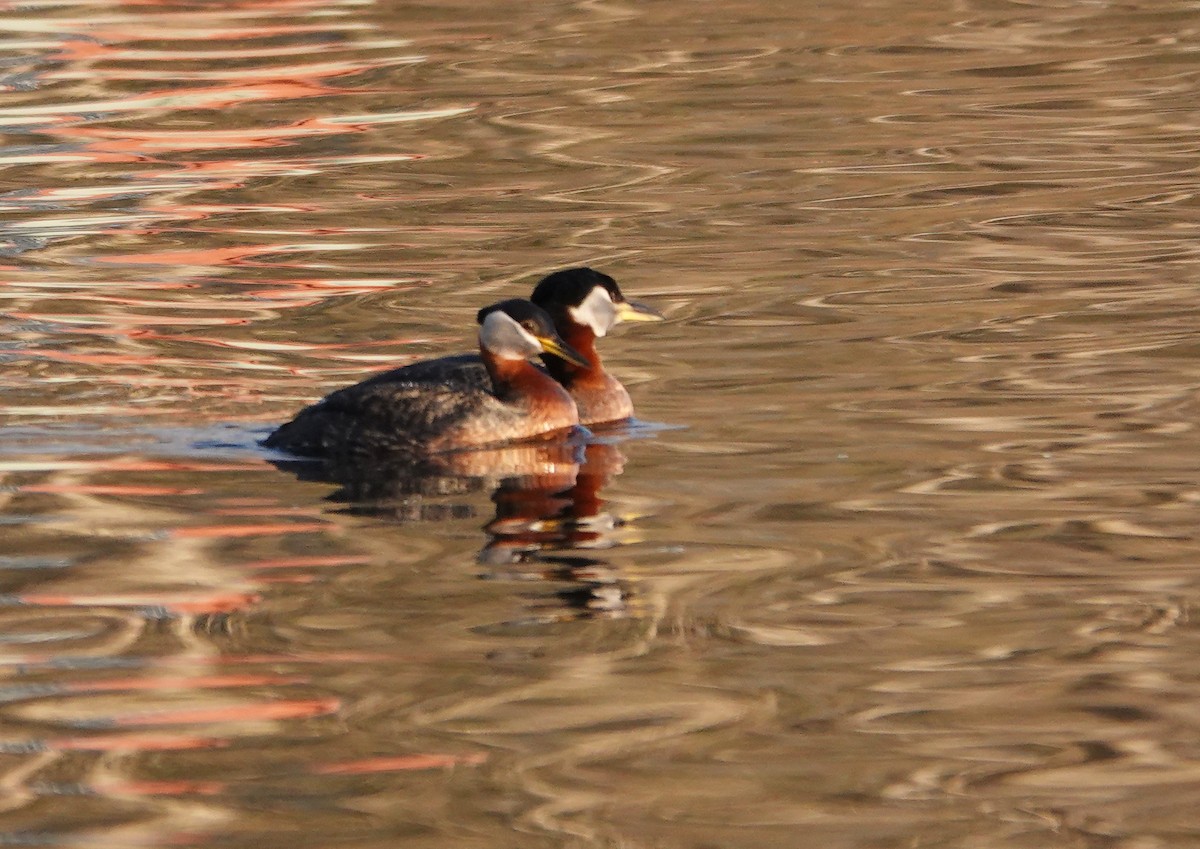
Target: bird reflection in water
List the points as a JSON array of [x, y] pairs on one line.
[[454, 426], [549, 521], [544, 534]]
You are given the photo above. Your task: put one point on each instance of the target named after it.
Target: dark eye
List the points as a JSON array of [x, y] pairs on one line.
[[531, 326]]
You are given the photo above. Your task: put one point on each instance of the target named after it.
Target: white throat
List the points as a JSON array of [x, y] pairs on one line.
[[597, 311]]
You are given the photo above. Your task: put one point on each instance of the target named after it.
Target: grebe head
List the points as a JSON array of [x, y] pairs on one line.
[[519, 330], [588, 298]]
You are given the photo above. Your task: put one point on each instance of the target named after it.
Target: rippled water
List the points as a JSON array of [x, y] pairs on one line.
[[903, 553]]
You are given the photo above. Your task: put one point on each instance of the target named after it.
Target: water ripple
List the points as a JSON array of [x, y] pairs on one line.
[[917, 570]]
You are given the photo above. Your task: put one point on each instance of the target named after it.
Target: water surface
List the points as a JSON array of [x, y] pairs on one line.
[[903, 553]]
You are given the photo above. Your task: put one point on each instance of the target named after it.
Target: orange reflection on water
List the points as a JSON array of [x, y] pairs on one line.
[[107, 489], [122, 318], [193, 682], [308, 562], [169, 154], [272, 5], [316, 70], [121, 359], [368, 766], [80, 49], [216, 601], [203, 257], [207, 97], [123, 464], [235, 531], [399, 763], [110, 140], [160, 74], [110, 49], [135, 743], [292, 347], [273, 710], [159, 788], [148, 29]]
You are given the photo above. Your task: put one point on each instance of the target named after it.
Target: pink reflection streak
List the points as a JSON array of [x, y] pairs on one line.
[[113, 145], [125, 318], [199, 682], [281, 299], [288, 579], [122, 359], [168, 182], [399, 763], [368, 766], [152, 29], [183, 604], [279, 710], [107, 489], [244, 4], [147, 142], [307, 562], [236, 660], [135, 743], [238, 531], [264, 511], [81, 50], [268, 711], [288, 347], [123, 464], [138, 326], [128, 301], [324, 70], [161, 185], [159, 788], [203, 257], [202, 97], [241, 255]]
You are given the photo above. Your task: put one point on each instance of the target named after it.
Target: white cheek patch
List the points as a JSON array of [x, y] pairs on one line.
[[596, 311], [532, 346], [507, 339]]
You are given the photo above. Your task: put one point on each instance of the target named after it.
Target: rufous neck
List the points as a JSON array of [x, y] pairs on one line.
[[583, 340], [512, 376]]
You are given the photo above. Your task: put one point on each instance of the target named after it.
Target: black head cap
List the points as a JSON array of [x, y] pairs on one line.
[[569, 287], [532, 318]]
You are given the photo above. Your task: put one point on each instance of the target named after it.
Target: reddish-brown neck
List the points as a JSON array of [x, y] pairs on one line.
[[583, 340], [513, 379]]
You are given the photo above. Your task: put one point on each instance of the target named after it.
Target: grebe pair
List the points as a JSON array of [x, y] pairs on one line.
[[494, 397]]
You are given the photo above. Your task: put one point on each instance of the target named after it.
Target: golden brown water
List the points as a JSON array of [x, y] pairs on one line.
[[911, 565]]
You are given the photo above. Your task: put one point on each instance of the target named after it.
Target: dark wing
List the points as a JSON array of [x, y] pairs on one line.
[[397, 408], [379, 417], [465, 370]]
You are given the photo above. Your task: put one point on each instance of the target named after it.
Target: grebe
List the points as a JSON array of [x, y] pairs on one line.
[[584, 304], [416, 410]]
